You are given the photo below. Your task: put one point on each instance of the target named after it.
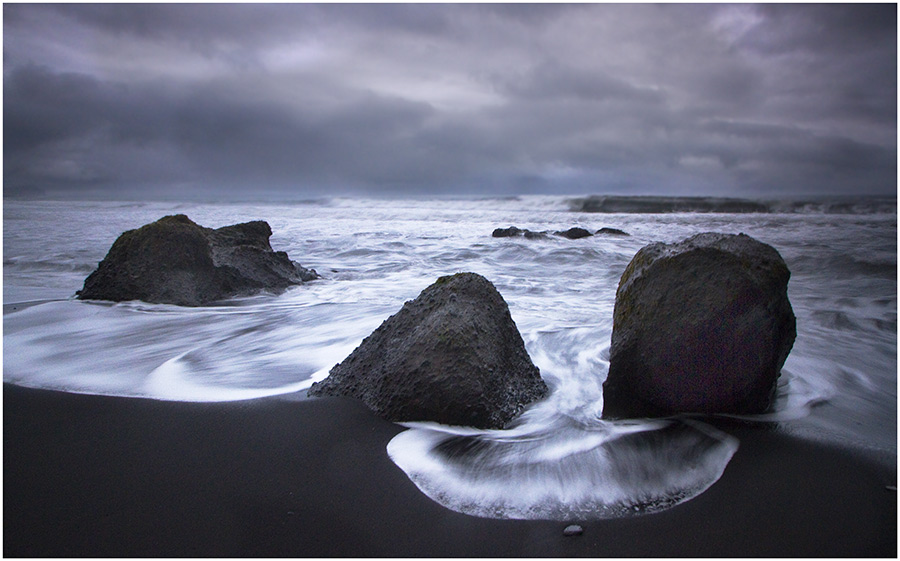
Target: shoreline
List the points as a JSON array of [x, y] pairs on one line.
[[98, 476]]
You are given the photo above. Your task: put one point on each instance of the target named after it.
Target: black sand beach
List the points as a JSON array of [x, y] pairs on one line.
[[105, 476]]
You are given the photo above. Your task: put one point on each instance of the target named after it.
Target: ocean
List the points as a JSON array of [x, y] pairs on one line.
[[560, 460]]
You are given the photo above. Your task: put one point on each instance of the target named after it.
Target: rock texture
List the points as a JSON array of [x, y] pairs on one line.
[[175, 261], [453, 355], [703, 325]]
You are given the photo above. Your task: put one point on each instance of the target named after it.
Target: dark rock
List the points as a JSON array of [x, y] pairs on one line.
[[574, 233], [703, 325], [513, 232], [510, 232], [573, 530], [612, 232], [176, 261], [531, 235], [453, 355]]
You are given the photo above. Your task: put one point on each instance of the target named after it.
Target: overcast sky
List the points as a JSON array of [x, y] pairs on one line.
[[286, 100]]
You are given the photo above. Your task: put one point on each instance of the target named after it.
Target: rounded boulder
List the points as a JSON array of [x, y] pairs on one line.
[[699, 326]]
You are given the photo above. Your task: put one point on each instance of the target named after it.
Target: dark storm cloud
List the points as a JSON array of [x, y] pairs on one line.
[[238, 141], [295, 100], [824, 28]]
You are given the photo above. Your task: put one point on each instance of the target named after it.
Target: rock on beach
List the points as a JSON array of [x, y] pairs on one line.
[[176, 261], [453, 355], [703, 325]]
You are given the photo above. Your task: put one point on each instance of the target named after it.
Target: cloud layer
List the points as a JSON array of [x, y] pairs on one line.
[[244, 101]]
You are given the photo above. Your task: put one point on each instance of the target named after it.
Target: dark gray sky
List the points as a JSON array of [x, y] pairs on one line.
[[287, 100]]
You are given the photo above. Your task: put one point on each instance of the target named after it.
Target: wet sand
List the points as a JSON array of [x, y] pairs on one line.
[[105, 476]]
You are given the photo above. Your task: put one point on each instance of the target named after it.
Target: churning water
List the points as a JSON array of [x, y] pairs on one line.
[[559, 460]]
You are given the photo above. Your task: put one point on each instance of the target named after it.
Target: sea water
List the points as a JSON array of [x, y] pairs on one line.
[[559, 460]]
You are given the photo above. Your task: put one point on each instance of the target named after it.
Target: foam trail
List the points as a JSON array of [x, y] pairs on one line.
[[173, 380], [560, 461], [564, 471]]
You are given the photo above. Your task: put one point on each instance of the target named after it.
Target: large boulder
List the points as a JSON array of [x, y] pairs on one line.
[[703, 325], [175, 261], [453, 355]]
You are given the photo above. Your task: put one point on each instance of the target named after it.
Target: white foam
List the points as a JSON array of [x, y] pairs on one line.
[[172, 381], [564, 471]]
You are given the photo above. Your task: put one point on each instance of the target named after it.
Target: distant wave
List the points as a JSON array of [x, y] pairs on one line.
[[660, 205]]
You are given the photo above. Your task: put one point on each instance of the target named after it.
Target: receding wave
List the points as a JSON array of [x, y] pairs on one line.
[[563, 469], [614, 204]]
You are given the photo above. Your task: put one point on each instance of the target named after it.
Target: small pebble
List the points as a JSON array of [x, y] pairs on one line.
[[573, 530]]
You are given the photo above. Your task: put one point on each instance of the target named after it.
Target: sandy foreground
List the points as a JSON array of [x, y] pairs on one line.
[[106, 476]]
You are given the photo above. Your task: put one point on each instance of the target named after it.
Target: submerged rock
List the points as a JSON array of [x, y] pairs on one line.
[[573, 530], [703, 325], [176, 261], [453, 355], [512, 232], [574, 233], [611, 232]]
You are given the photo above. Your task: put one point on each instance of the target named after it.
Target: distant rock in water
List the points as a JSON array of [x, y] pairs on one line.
[[512, 232], [611, 232], [703, 325], [175, 261], [574, 233], [453, 355], [531, 235]]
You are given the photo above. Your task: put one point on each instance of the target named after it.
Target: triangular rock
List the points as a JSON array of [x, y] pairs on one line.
[[453, 355]]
